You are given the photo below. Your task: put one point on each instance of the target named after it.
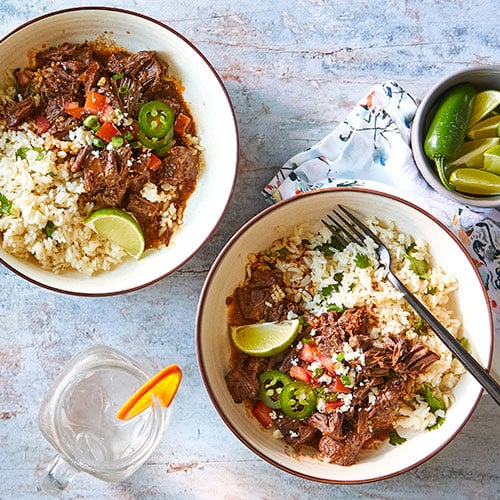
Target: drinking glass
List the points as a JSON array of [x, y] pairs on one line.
[[78, 418]]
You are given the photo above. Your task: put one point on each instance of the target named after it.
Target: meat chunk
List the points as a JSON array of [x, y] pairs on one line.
[[242, 379], [298, 432], [18, 112]]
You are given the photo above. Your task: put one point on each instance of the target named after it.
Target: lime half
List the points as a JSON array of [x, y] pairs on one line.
[[119, 227], [486, 102], [265, 339]]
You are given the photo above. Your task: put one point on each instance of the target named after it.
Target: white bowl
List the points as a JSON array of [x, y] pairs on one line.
[[213, 343], [483, 78], [213, 114]]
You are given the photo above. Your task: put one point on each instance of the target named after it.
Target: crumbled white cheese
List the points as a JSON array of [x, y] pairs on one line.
[[325, 379], [277, 434], [80, 135]]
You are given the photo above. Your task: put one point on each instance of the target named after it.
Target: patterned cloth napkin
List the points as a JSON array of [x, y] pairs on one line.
[[370, 148]]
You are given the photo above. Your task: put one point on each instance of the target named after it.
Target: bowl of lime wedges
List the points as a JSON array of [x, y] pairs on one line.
[[455, 136]]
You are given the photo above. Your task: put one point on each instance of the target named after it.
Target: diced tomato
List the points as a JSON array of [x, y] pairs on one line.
[[338, 386], [154, 162], [74, 109], [331, 406], [301, 374], [326, 362], [263, 414], [308, 353], [181, 124], [42, 123], [95, 102], [107, 113], [107, 131]]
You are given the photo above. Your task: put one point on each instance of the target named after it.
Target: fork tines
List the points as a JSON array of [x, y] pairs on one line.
[[342, 228]]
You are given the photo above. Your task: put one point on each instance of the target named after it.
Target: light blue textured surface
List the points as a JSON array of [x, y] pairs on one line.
[[293, 70]]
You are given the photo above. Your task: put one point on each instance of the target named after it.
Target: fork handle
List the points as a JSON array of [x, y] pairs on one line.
[[469, 362]]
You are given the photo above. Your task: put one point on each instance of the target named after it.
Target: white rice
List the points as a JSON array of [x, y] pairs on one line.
[[43, 191], [307, 271]]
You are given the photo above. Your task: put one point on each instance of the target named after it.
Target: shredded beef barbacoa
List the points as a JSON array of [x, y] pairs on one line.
[[367, 413], [62, 77]]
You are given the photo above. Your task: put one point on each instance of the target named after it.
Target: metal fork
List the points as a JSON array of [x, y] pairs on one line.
[[347, 228]]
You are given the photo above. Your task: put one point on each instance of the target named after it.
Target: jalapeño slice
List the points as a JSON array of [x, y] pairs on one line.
[[159, 145], [298, 400], [156, 119], [271, 384]]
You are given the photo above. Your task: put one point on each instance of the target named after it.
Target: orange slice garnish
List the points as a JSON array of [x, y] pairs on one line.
[[163, 386]]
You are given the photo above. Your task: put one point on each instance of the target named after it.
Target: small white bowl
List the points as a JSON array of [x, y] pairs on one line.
[[483, 78], [228, 271], [213, 114]]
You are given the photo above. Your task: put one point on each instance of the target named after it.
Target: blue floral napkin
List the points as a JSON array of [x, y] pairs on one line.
[[370, 148]]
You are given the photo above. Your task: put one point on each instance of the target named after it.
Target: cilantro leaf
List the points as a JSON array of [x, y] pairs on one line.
[[335, 307], [395, 438], [5, 205], [439, 422], [49, 228], [433, 401], [419, 266], [362, 261], [465, 343], [328, 248]]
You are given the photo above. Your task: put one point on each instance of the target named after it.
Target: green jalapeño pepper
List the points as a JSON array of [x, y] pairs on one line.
[[159, 145], [156, 119], [271, 384], [298, 400], [446, 133]]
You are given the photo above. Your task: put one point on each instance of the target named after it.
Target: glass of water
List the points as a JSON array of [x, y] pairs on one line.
[[78, 418]]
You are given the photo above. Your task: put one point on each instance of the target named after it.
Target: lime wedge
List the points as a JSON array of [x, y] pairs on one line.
[[471, 153], [118, 227], [492, 159], [486, 102], [485, 128], [265, 339], [475, 181]]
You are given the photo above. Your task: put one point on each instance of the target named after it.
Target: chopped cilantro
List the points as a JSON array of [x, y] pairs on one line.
[[465, 343], [340, 356], [421, 327], [419, 266], [433, 401], [328, 248], [345, 380], [362, 261], [326, 291], [49, 228], [5, 205], [302, 321], [21, 153], [318, 372], [395, 438], [432, 290], [335, 307], [439, 422]]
